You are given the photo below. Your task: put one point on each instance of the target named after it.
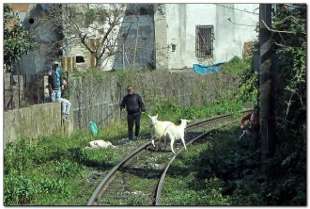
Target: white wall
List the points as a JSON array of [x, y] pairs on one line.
[[229, 36]]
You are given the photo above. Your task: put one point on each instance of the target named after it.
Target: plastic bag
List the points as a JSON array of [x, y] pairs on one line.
[[93, 128]]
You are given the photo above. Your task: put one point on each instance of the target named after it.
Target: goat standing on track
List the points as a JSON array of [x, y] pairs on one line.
[[158, 128], [175, 132], [164, 129]]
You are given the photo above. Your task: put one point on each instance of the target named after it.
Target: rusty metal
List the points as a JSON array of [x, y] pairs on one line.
[[163, 175], [197, 124], [104, 183], [109, 177]]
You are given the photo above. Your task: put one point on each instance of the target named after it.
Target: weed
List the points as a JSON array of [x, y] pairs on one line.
[[18, 189], [48, 185], [47, 170], [67, 168]]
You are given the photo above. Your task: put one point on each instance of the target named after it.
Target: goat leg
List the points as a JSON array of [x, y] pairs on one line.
[[183, 141], [171, 145]]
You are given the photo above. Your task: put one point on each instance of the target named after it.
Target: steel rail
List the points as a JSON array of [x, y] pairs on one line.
[[163, 175], [160, 184], [215, 118], [111, 173], [106, 180]]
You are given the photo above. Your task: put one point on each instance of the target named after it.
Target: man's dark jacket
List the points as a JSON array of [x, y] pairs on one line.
[[133, 103]]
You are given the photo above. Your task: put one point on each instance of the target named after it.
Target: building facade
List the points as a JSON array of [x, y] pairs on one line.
[[188, 34], [150, 36]]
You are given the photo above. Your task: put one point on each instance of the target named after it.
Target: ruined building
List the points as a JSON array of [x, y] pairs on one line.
[[150, 36]]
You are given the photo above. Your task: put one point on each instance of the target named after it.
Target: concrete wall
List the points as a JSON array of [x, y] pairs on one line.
[[161, 47], [14, 92], [45, 35], [34, 121], [137, 35], [97, 97], [229, 35]]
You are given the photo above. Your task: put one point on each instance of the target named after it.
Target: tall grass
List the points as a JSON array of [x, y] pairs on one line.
[[47, 170], [55, 170]]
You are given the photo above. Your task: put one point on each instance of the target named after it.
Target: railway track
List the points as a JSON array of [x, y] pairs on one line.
[[110, 191]]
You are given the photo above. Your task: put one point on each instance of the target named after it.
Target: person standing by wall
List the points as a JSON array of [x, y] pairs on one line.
[[134, 106], [66, 104], [55, 81], [57, 85]]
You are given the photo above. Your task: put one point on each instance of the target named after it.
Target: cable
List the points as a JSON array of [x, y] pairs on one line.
[[253, 13], [229, 20]]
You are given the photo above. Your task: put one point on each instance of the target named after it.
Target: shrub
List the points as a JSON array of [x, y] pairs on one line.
[[18, 189], [67, 168], [50, 185]]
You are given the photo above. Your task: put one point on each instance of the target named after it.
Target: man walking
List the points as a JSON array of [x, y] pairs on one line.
[[134, 106]]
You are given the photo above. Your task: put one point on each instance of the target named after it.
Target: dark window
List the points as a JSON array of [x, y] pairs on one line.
[[79, 59], [143, 11], [173, 47], [31, 20], [204, 41]]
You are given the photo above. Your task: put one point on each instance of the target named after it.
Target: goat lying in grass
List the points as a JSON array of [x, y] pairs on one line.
[[95, 144], [164, 129]]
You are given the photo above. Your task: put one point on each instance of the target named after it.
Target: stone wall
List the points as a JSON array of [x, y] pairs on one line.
[[96, 96], [34, 121], [13, 91]]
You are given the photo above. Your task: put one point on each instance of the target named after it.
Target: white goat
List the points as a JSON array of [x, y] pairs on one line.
[[175, 132], [95, 144], [158, 128], [164, 129]]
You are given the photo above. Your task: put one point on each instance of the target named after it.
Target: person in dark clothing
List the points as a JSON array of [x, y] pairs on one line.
[[250, 125], [134, 106], [55, 81]]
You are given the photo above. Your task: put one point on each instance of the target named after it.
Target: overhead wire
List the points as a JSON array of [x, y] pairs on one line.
[[249, 12]]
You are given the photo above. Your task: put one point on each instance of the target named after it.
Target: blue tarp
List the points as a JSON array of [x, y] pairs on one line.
[[203, 69]]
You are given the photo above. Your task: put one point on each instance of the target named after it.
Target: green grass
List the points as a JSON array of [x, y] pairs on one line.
[[55, 170], [236, 66], [172, 112], [210, 173], [51, 169]]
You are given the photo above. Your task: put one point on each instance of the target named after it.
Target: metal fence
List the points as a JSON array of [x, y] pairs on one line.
[[22, 90]]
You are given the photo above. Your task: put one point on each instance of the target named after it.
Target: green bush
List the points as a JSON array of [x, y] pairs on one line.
[[22, 160], [236, 66], [172, 112], [95, 157], [50, 185], [18, 189], [67, 168]]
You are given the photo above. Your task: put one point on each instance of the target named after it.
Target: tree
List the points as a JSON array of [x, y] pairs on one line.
[[94, 26], [288, 166], [17, 40]]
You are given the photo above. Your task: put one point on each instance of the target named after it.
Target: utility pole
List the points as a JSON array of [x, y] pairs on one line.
[[265, 82]]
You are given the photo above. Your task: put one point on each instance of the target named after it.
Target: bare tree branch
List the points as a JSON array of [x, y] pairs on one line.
[[280, 31]]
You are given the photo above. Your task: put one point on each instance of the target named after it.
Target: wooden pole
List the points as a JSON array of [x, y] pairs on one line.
[[123, 56], [265, 80], [136, 43], [93, 55]]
